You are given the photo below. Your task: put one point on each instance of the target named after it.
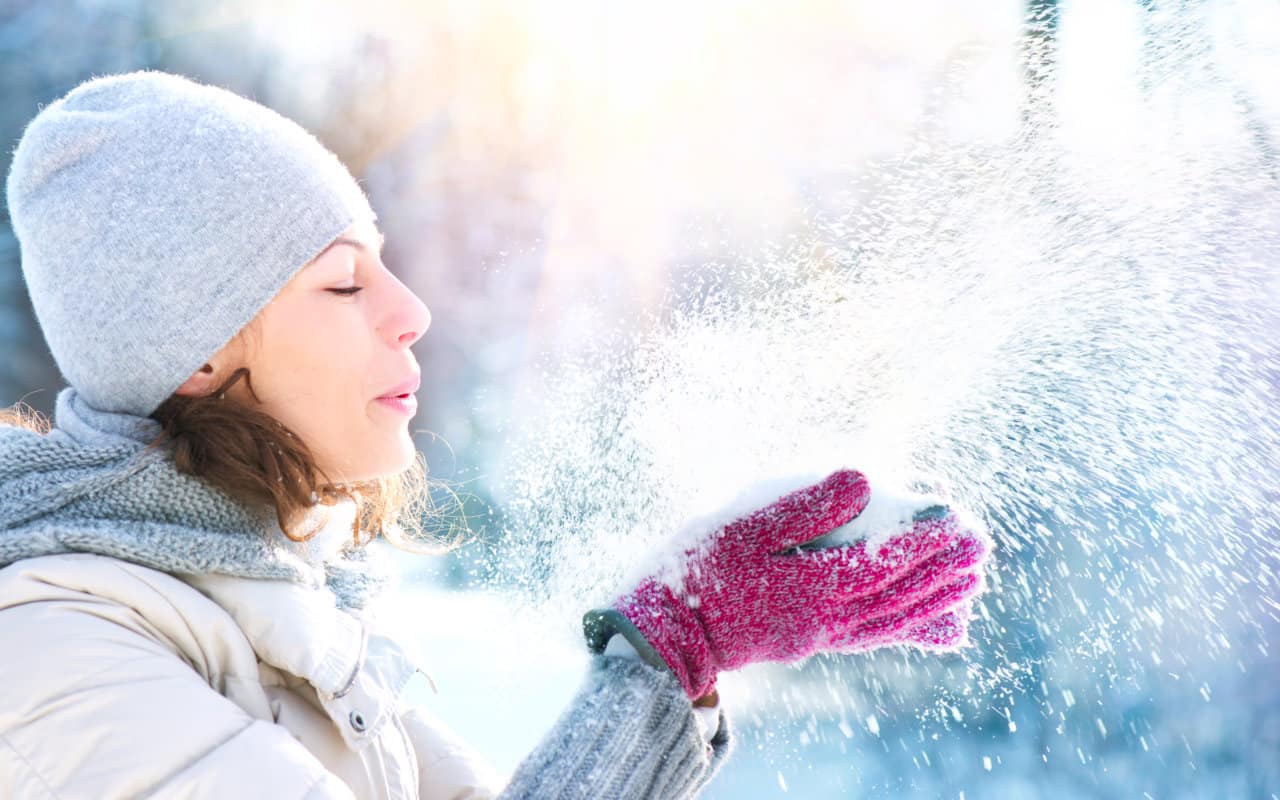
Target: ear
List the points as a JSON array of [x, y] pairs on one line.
[[202, 382], [215, 371]]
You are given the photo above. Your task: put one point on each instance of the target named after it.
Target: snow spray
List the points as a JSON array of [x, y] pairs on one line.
[[1074, 328]]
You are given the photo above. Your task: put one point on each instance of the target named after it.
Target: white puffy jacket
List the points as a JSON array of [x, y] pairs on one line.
[[106, 671]]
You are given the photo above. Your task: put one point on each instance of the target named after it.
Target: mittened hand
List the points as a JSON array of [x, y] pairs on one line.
[[750, 593]]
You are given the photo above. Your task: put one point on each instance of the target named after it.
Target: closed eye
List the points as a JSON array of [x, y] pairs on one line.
[[348, 291]]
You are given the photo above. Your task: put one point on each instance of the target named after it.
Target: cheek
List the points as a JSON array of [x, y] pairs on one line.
[[314, 363], [314, 337]]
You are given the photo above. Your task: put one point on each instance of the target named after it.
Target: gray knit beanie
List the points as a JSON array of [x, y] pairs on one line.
[[156, 216]]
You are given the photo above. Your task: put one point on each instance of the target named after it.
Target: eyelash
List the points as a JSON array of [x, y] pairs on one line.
[[348, 291]]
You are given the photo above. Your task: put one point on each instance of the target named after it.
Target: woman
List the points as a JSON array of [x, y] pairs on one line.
[[186, 602]]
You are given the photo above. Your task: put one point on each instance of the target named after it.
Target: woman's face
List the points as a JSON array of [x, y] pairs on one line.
[[329, 358]]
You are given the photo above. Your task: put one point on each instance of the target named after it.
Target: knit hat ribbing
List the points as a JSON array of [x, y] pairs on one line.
[[156, 216]]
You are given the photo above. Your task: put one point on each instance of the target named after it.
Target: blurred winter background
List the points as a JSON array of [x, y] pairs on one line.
[[672, 248]]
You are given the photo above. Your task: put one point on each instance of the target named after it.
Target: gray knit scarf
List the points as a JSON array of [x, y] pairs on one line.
[[91, 486]]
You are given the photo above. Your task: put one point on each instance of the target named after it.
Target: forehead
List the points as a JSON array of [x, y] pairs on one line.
[[363, 236], [365, 231]]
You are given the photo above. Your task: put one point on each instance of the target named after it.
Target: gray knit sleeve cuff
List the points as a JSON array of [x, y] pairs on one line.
[[629, 733]]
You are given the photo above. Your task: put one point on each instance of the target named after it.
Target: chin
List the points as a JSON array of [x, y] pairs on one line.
[[387, 462], [398, 460]]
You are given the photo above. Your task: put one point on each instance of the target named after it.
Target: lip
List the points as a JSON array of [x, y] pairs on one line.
[[406, 387], [400, 397], [405, 404]]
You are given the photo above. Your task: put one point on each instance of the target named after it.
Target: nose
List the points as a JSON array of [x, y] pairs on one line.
[[408, 318]]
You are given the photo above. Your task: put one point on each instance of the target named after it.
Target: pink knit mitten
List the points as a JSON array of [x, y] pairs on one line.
[[749, 593]]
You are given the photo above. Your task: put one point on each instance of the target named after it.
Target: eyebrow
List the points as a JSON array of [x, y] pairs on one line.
[[356, 243]]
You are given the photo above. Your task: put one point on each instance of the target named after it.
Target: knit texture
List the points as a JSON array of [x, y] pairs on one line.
[[91, 485], [629, 733], [155, 217], [750, 592]]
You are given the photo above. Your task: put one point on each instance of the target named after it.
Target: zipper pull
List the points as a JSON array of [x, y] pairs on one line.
[[426, 675]]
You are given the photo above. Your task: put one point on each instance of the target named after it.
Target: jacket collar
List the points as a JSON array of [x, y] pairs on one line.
[[359, 674]]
